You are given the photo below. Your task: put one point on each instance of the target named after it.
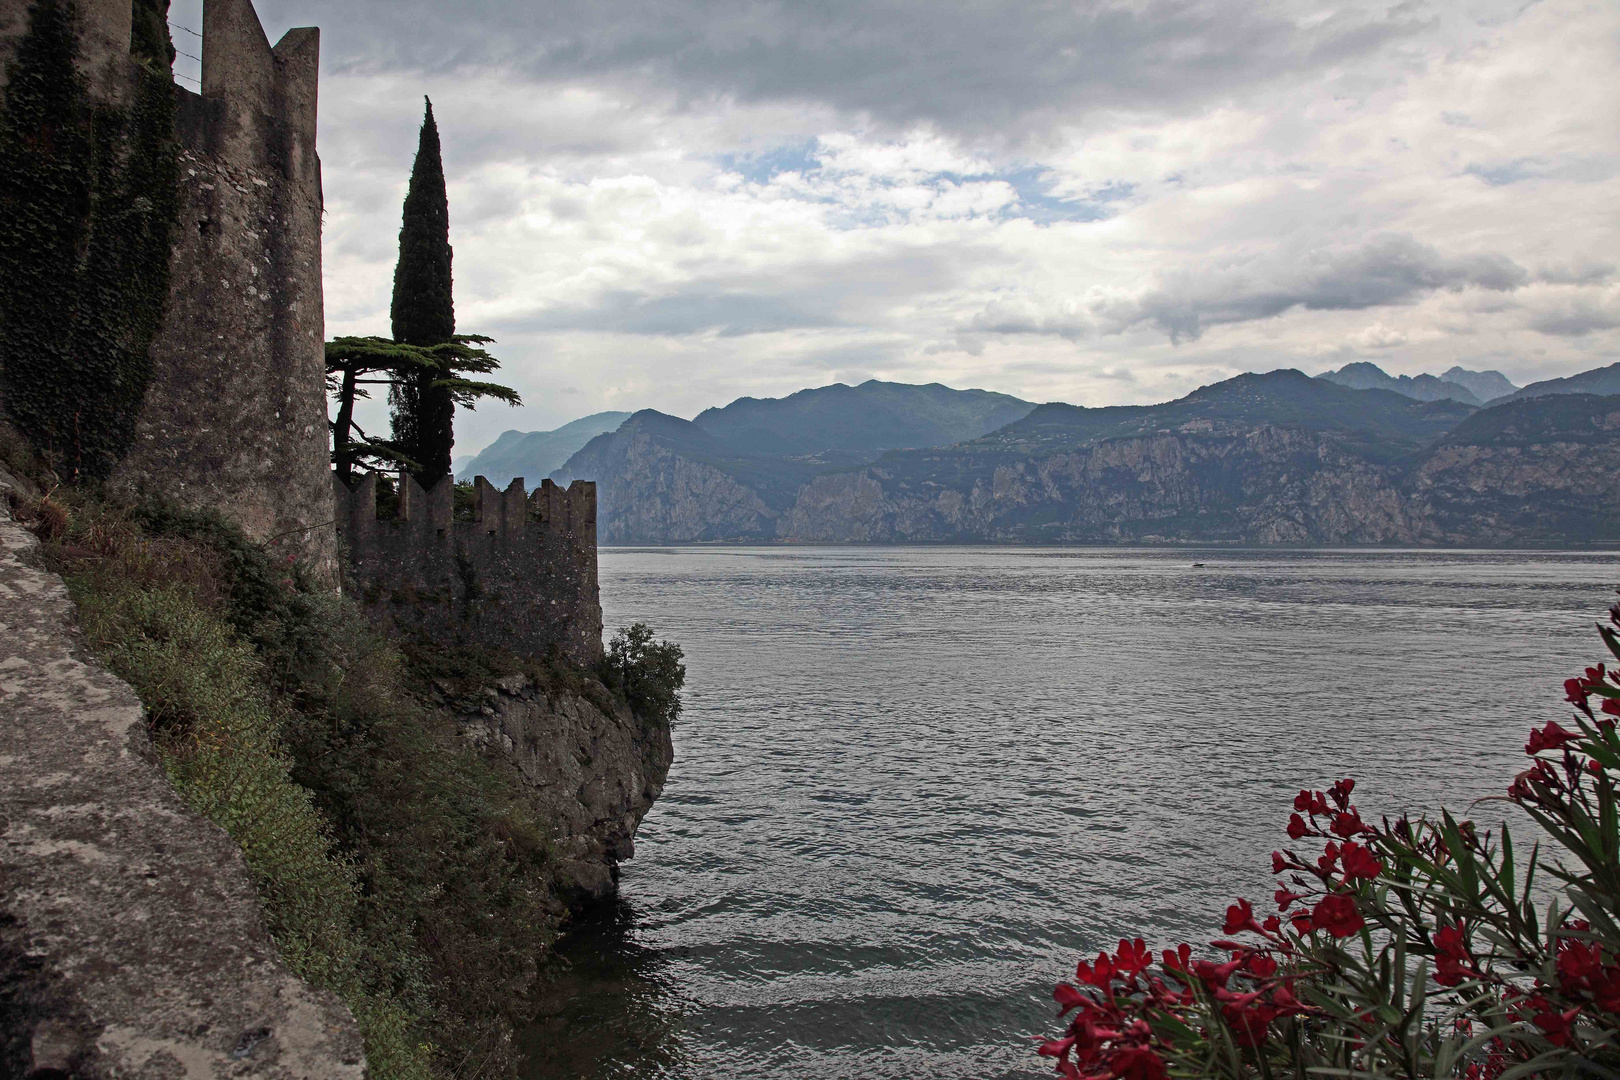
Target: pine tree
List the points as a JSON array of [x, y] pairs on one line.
[[424, 312]]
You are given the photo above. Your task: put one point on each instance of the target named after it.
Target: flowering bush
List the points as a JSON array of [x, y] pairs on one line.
[[1412, 948]]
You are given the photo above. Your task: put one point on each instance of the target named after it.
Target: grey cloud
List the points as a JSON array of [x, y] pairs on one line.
[[853, 293], [1387, 270], [696, 309], [1579, 273], [1577, 319], [1584, 169], [960, 64], [1391, 269]]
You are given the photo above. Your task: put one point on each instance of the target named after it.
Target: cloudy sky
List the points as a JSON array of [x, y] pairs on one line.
[[673, 203]]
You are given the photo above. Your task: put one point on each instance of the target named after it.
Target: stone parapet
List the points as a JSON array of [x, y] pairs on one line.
[[521, 575]]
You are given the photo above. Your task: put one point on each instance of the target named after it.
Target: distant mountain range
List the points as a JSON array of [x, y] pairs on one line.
[[1458, 384], [1603, 380], [1273, 458], [535, 455]]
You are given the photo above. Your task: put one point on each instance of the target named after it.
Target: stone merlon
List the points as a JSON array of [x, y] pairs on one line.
[[521, 575]]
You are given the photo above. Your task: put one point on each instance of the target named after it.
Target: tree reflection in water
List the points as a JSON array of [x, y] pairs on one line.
[[604, 1007]]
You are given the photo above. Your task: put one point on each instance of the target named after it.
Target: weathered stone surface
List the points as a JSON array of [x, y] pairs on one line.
[[235, 418], [131, 939], [592, 770], [521, 576]]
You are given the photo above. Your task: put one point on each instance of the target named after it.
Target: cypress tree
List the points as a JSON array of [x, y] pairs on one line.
[[424, 312]]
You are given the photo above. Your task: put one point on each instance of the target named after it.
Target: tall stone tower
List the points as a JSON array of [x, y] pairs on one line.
[[235, 418]]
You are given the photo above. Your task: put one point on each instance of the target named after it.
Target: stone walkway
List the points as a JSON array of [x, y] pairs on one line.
[[131, 938]]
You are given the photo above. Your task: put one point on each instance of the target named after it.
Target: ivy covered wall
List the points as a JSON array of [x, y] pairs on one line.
[[88, 200]]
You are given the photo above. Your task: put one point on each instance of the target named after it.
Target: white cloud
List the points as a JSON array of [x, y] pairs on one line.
[[675, 204]]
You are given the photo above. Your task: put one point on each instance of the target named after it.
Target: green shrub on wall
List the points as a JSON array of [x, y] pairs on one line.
[[88, 199], [398, 866]]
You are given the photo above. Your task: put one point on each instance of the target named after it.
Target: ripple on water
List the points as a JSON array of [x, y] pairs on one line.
[[912, 785]]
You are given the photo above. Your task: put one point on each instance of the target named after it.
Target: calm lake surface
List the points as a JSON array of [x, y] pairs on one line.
[[913, 785]]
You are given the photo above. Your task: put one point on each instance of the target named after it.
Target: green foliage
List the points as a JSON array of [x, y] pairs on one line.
[[149, 40], [88, 199], [1419, 948], [349, 360], [398, 866], [648, 673], [423, 310]]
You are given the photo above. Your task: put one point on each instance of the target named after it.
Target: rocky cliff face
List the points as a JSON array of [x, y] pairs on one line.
[[661, 480], [1267, 485], [593, 768], [1546, 493], [1343, 467]]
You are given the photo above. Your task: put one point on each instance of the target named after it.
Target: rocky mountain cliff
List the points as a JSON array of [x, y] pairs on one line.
[[1603, 380], [534, 455], [1452, 386], [731, 473], [1271, 459], [1535, 472]]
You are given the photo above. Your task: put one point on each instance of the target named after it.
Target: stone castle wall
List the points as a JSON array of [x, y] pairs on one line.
[[235, 417], [236, 414], [520, 576]]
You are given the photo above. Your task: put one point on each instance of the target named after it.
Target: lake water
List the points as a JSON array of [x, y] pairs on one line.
[[913, 785]]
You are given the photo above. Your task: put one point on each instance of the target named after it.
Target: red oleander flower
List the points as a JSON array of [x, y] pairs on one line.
[[1179, 959], [1215, 976], [1451, 962], [1340, 792], [1133, 957], [1278, 863], [1358, 862], [1337, 914], [1578, 960], [1100, 974], [1551, 737], [1138, 1063], [1611, 706], [1576, 692], [1296, 827], [1068, 997], [1606, 988], [1348, 824], [1271, 924], [1260, 965], [1554, 1024], [1286, 899], [1239, 917]]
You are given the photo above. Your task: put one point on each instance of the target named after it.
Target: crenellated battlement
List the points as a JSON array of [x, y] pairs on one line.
[[520, 575]]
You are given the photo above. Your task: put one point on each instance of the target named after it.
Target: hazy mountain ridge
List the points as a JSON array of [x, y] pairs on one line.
[[1457, 384], [1273, 458], [1602, 381], [1383, 422], [534, 455], [874, 416], [1546, 470], [733, 471]]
